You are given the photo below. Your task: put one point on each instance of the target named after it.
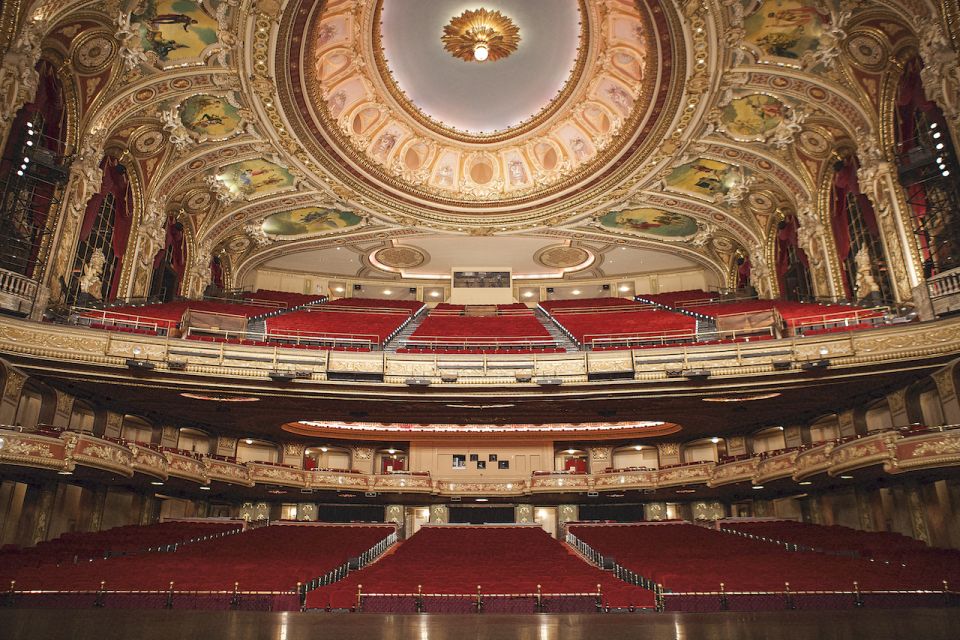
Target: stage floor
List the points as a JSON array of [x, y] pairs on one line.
[[43, 624]]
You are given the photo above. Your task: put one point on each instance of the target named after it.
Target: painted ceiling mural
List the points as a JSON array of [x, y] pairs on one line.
[[267, 122]]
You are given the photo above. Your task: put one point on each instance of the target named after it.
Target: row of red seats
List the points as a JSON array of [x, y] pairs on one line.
[[84, 546], [508, 351], [478, 329], [327, 320], [679, 298], [290, 299], [687, 558], [501, 560], [375, 303], [262, 343], [588, 303], [143, 331], [586, 328], [272, 558]]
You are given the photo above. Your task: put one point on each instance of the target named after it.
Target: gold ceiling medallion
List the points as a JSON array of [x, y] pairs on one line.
[[480, 35]]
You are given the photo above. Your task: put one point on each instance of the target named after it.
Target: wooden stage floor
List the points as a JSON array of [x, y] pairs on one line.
[[43, 624]]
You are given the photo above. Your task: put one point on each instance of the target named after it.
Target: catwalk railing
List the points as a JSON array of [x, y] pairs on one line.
[[353, 564], [479, 602], [724, 600]]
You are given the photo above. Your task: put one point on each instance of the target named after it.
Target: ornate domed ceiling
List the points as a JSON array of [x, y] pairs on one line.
[[274, 129]]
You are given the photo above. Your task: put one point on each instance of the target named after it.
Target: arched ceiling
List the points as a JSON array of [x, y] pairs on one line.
[[281, 129]]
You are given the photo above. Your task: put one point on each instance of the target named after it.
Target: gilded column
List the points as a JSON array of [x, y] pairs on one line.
[[44, 512], [12, 388], [948, 394], [600, 459], [918, 520], [879, 182], [941, 71], [97, 508], [523, 513], [439, 514]]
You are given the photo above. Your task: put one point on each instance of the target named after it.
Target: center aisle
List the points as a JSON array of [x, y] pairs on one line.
[[450, 560]]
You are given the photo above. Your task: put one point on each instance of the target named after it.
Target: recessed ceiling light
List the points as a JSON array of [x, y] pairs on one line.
[[714, 440], [482, 500], [249, 440], [157, 483], [64, 473], [434, 294], [805, 483], [204, 487], [387, 292], [758, 486], [846, 477], [575, 292]]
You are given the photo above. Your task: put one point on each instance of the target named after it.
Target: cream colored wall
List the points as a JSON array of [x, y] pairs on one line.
[[630, 457], [283, 281], [438, 460], [673, 281]]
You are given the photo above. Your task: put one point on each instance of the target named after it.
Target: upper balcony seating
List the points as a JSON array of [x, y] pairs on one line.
[[515, 331], [685, 557], [287, 299], [272, 558], [680, 298], [71, 547], [152, 319], [796, 317], [353, 322], [501, 560], [603, 323], [878, 545]]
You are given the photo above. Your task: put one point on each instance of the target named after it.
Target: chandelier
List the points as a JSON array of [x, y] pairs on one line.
[[478, 35]]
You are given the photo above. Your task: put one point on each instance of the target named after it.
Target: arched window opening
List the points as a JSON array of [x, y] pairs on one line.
[[31, 169], [98, 262], [169, 264], [856, 233], [793, 269], [928, 169]]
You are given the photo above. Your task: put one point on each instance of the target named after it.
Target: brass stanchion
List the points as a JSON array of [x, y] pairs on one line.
[[101, 594], [788, 596], [169, 603], [359, 596], [235, 600], [479, 600], [724, 603], [858, 600], [419, 600], [539, 600]]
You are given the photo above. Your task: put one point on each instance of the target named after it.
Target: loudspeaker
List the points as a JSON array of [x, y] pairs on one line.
[[696, 373], [358, 287], [782, 365], [448, 377], [549, 382], [177, 365], [412, 289], [606, 287], [549, 289], [524, 377], [593, 494], [141, 365], [417, 382], [282, 376]]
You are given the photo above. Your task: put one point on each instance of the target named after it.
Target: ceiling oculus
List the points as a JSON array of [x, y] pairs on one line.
[[480, 35]]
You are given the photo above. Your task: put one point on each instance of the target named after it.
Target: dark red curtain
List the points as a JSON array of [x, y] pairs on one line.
[[743, 273], [116, 183], [787, 239], [174, 242], [911, 98], [216, 272]]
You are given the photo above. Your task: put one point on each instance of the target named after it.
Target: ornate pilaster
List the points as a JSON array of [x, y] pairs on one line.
[[523, 513], [293, 454], [44, 512], [362, 459], [19, 79], [878, 181], [394, 513], [668, 453], [439, 514], [600, 459], [567, 513], [812, 238], [99, 504], [85, 180], [948, 394], [12, 388], [655, 511], [198, 271], [941, 70], [64, 410], [151, 236], [918, 520], [864, 512]]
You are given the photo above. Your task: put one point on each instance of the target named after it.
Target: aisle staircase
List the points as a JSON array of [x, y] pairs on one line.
[[558, 334], [401, 337]]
